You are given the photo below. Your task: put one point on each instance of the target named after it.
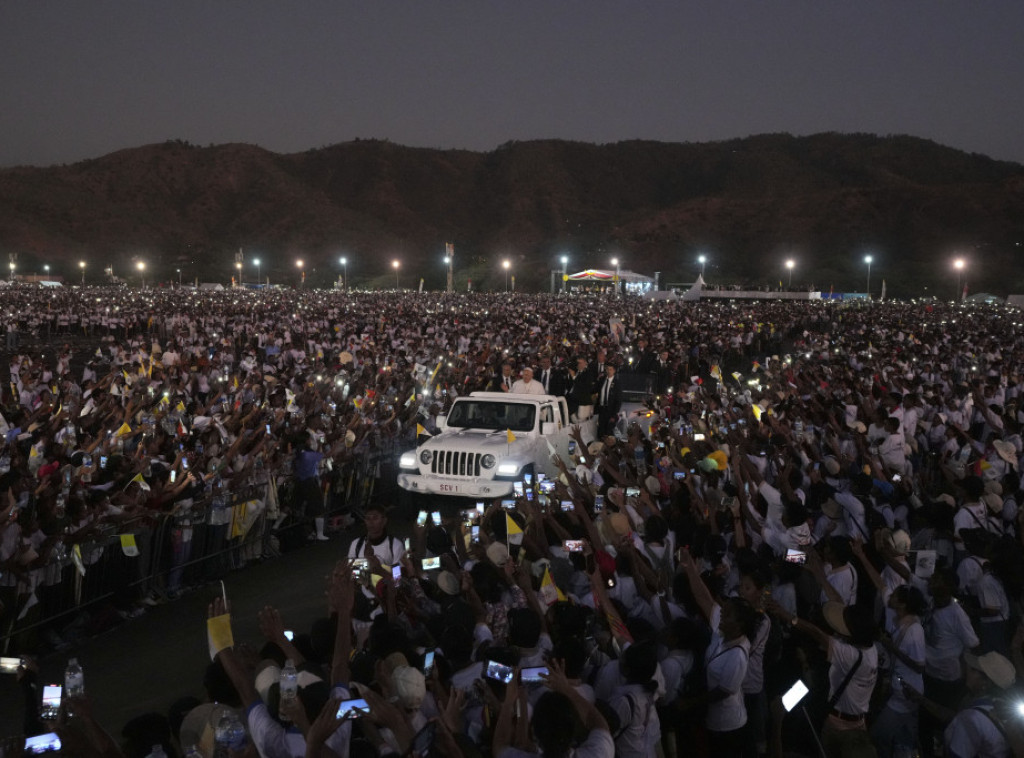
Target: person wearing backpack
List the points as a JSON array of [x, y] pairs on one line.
[[639, 731], [979, 727], [378, 546], [853, 670], [733, 624]]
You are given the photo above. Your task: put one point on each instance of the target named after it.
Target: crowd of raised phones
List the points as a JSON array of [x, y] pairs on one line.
[[810, 544]]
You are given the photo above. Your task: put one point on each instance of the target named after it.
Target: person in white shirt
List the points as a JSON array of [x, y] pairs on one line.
[[852, 673], [527, 385], [977, 729], [948, 633], [725, 663], [895, 729]]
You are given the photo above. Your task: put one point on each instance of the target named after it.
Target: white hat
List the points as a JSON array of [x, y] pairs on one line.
[[497, 553], [1006, 451], [410, 686], [995, 666]]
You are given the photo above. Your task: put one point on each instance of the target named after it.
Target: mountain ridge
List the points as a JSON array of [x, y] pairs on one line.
[[825, 200]]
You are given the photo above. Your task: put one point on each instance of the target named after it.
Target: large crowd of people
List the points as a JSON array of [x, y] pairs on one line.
[[810, 543]]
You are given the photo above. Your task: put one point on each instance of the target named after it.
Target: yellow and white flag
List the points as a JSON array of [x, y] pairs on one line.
[[128, 546], [549, 591], [514, 531], [509, 437]]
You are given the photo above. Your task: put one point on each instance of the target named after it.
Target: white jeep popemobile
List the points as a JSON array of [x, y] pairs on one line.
[[473, 455]]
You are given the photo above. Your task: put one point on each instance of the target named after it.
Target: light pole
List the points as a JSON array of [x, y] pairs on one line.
[[46, 270], [301, 266], [257, 262], [179, 277], [615, 262], [506, 264], [959, 264], [141, 266], [789, 265], [702, 260], [81, 265], [12, 271], [448, 267], [396, 264], [867, 260], [344, 267], [238, 265], [565, 271]]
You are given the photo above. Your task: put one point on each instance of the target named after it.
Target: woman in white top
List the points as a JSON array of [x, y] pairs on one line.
[[733, 624], [853, 668]]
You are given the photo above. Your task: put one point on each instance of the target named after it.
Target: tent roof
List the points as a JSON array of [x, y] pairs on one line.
[[604, 275]]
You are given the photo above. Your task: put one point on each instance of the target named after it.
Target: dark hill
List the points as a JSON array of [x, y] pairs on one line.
[[824, 200]]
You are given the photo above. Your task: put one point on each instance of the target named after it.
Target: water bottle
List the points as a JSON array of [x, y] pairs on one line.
[[229, 735], [74, 679], [157, 752], [289, 688]]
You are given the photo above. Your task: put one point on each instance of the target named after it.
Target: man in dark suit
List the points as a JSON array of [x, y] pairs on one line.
[[609, 401], [645, 361], [502, 381], [581, 391], [553, 379]]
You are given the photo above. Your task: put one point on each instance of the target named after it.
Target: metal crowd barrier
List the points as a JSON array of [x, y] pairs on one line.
[[83, 591]]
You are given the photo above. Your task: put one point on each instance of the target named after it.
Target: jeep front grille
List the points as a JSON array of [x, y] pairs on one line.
[[455, 463]]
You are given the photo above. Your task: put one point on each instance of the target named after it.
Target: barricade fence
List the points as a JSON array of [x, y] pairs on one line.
[[86, 588]]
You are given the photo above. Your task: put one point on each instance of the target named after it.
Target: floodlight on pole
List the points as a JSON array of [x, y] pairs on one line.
[[344, 267], [506, 264], [302, 267], [257, 262], [867, 260], [81, 265], [789, 265], [702, 260], [141, 266], [959, 264], [396, 264]]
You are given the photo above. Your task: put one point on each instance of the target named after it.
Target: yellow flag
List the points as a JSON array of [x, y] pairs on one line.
[[76, 558], [238, 520], [513, 530], [180, 407], [509, 437], [126, 376], [549, 591], [125, 429], [716, 372], [420, 429], [139, 480], [128, 546], [218, 634], [758, 410], [235, 382]]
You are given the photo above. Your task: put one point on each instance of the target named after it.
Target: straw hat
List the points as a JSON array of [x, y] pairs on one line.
[[995, 666], [1006, 451]]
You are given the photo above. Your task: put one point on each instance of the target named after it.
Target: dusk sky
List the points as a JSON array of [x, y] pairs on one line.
[[82, 79]]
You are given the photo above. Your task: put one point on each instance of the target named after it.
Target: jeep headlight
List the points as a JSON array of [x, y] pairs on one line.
[[408, 460], [425, 457], [488, 461], [508, 469]]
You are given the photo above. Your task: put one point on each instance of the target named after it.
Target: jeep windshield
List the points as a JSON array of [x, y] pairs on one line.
[[488, 414]]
